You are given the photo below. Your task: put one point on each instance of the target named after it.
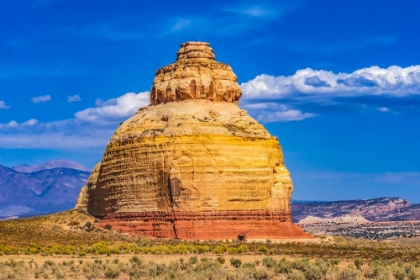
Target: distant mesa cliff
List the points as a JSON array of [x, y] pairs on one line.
[[375, 210], [193, 165]]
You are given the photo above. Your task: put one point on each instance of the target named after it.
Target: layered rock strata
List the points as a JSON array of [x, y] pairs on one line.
[[193, 165]]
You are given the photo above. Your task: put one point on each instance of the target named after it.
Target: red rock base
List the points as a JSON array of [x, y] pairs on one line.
[[207, 225]]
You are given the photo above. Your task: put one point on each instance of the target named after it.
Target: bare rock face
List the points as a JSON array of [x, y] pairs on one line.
[[193, 165], [195, 75]]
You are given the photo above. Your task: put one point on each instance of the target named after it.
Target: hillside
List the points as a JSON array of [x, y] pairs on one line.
[[376, 210], [43, 191]]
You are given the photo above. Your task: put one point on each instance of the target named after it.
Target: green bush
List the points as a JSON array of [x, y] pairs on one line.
[[283, 266], [262, 249], [261, 274], [243, 249], [269, 262], [235, 262], [192, 260], [221, 260]]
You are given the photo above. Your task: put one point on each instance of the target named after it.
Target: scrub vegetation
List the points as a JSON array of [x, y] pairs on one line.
[[72, 245]]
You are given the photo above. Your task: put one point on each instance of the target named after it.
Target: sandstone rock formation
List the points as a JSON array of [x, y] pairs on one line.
[[193, 165], [195, 75]]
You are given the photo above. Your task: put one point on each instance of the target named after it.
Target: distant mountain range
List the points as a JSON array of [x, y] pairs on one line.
[[54, 186], [46, 188], [61, 163], [375, 210]]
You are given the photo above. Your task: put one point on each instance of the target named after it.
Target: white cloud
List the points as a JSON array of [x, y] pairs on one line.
[[91, 128], [11, 124], [283, 116], [15, 124], [181, 24], [115, 108], [3, 105], [31, 122], [372, 81], [383, 109], [74, 98], [401, 178], [55, 141], [42, 98], [253, 11]]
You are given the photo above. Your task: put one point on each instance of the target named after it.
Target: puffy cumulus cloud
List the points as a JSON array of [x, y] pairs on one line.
[[116, 108], [3, 105], [90, 129], [40, 99], [74, 98], [393, 81], [387, 90]]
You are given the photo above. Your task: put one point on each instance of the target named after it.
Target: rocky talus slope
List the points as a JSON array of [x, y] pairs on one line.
[[193, 165]]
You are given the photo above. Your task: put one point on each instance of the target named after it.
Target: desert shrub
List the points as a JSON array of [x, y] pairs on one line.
[[377, 270], [192, 260], [413, 275], [334, 261], [92, 270], [243, 249], [399, 273], [261, 274], [269, 262], [248, 265], [313, 272], [112, 271], [154, 269], [208, 270], [232, 251], [108, 227], [221, 260], [300, 264], [135, 260], [262, 249], [296, 275], [220, 249], [283, 266], [235, 262], [358, 263], [323, 265], [348, 273]]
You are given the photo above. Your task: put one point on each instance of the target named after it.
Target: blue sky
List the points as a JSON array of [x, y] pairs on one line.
[[337, 81]]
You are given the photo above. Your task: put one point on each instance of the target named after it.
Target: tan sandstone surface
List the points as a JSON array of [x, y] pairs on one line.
[[193, 165]]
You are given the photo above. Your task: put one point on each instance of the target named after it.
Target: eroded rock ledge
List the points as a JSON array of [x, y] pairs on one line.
[[207, 224], [195, 75]]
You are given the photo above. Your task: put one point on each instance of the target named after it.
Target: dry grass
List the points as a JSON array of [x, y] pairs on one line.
[[205, 267], [68, 233]]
